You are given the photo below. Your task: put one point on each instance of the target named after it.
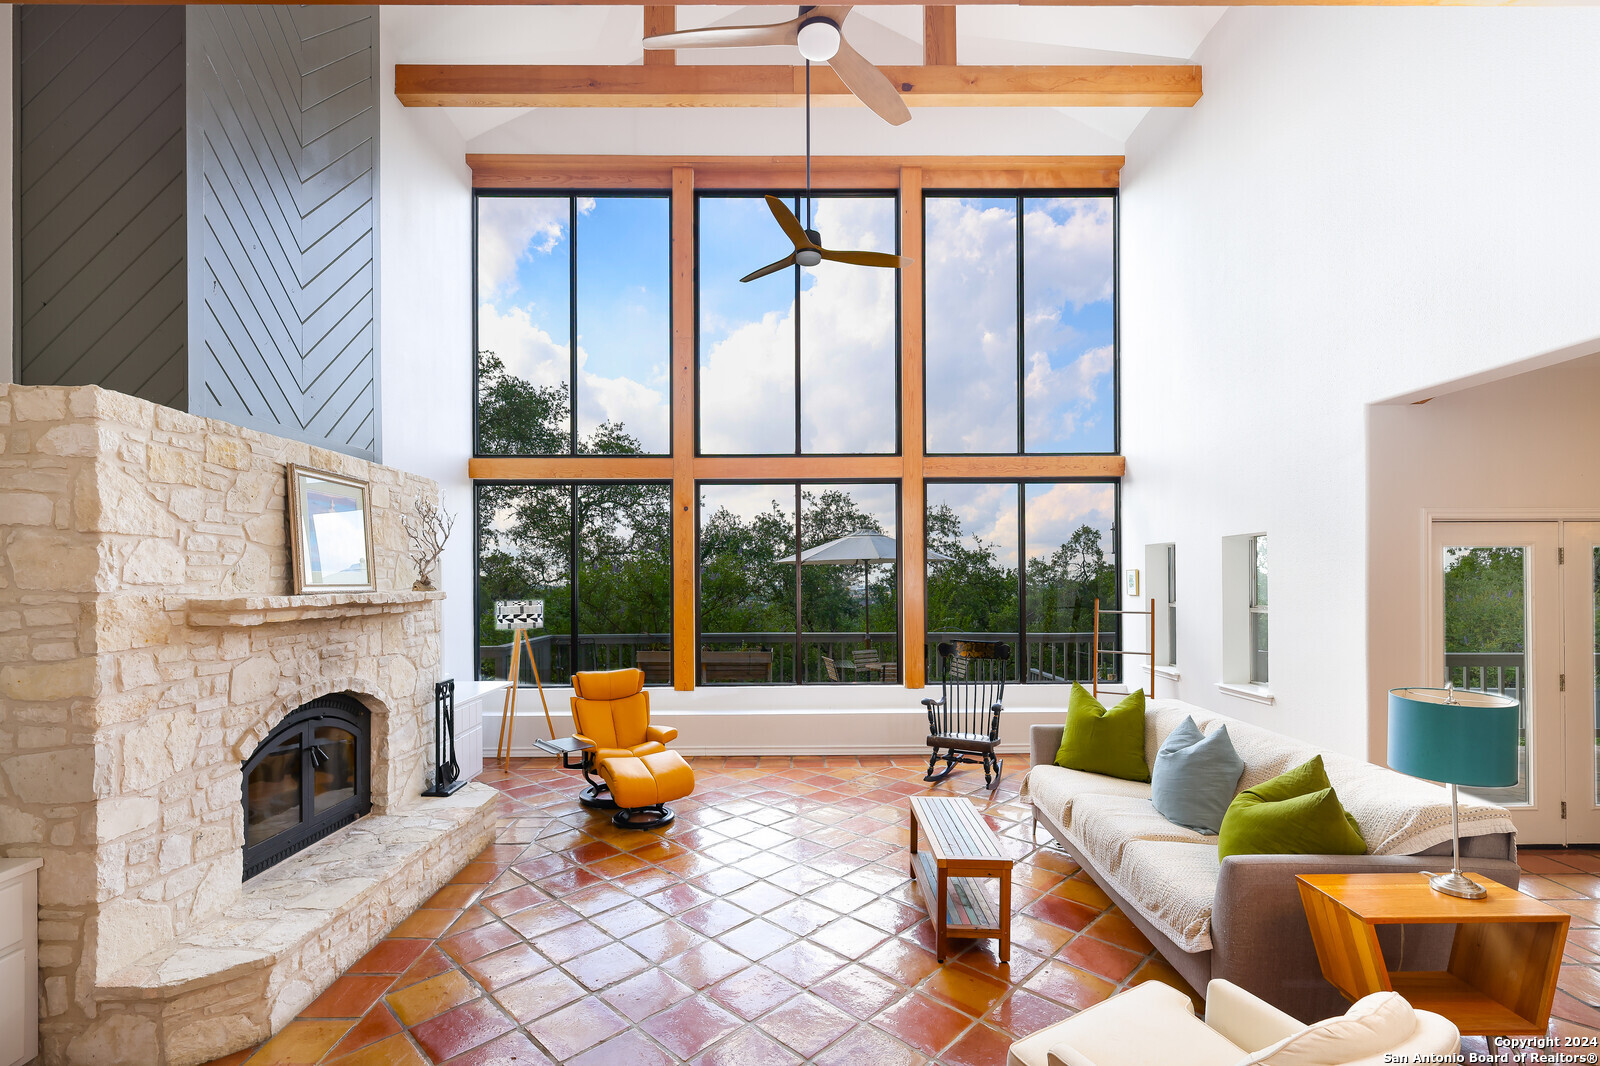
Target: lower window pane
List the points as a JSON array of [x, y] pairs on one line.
[[625, 578], [525, 553], [1071, 562], [972, 566], [848, 607], [747, 594]]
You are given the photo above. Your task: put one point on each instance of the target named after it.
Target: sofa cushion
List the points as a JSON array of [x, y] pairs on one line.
[[1194, 775], [1174, 885], [1401, 815], [1103, 826], [1104, 740], [1373, 1024], [1296, 813], [1055, 789]]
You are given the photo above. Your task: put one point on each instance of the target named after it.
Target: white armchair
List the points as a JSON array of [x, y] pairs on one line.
[[1154, 1025]]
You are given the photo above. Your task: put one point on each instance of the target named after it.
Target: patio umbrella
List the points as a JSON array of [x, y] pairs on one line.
[[862, 547]]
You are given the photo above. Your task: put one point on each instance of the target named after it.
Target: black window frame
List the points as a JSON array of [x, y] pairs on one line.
[[573, 196], [1020, 657], [574, 634], [799, 485], [797, 196], [1020, 196]]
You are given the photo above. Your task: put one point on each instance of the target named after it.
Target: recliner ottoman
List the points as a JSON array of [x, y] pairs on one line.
[[642, 786]]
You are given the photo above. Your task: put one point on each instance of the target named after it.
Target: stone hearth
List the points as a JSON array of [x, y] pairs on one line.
[[148, 642]]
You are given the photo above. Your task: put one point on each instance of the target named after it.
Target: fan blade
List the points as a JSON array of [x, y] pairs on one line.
[[867, 259], [727, 36], [869, 84], [770, 268], [791, 225]]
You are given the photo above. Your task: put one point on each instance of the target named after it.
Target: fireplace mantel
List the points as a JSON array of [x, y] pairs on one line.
[[212, 611]]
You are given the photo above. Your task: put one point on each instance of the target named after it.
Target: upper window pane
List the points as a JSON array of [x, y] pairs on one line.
[[1068, 324], [524, 325], [847, 333], [547, 353], [800, 360], [624, 325], [971, 323], [747, 330]]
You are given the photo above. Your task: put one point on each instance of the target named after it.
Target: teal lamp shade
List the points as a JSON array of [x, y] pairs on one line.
[[1454, 736]]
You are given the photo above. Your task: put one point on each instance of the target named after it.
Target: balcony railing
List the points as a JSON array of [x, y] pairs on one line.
[[770, 658]]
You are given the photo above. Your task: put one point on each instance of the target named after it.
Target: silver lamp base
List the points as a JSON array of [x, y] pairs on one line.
[[1455, 883]]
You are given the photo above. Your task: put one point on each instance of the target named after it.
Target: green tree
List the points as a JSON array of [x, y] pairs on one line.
[[1484, 600]]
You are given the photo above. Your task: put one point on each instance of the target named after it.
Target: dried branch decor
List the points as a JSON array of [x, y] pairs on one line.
[[427, 530]]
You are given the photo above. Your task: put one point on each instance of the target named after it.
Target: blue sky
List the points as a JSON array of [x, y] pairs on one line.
[[847, 320]]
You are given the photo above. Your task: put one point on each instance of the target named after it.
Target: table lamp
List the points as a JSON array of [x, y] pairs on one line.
[[1462, 738]]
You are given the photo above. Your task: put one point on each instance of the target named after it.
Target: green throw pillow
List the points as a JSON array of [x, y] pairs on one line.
[[1296, 813], [1102, 741]]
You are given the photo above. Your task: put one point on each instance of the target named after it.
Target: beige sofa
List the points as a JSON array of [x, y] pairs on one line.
[[1154, 1025], [1240, 919]]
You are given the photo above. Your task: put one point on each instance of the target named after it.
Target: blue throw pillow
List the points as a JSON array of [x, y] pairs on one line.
[[1194, 776]]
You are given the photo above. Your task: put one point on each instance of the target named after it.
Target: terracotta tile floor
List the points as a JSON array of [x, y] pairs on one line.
[[771, 924]]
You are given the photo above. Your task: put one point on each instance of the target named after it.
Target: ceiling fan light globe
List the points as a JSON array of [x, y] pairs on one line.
[[808, 257], [818, 39]]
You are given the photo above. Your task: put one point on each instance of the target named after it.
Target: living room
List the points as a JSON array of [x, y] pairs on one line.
[[1145, 303]]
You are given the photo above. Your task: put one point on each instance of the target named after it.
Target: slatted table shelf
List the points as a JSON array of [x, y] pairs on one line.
[[1504, 962], [963, 853]]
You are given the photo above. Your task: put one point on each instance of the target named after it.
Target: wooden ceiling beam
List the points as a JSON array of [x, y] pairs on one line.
[[939, 36], [447, 85], [893, 3], [660, 19], [566, 172]]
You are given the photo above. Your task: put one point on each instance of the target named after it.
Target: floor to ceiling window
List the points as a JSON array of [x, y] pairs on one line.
[[713, 479]]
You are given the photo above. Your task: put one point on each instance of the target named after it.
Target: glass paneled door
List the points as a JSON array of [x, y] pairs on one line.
[[1512, 611], [1580, 581]]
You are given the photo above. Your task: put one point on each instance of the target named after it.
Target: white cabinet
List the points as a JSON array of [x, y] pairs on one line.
[[19, 960]]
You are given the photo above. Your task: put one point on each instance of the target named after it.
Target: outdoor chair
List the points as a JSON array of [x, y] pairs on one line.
[[965, 720], [830, 668], [867, 662]]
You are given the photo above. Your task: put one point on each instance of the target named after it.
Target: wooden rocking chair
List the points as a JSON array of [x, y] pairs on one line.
[[965, 720]]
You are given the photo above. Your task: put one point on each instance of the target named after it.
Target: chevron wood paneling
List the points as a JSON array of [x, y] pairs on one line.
[[283, 137], [101, 199]]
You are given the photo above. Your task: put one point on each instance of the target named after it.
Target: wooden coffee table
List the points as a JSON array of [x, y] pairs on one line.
[[1501, 978], [962, 854]]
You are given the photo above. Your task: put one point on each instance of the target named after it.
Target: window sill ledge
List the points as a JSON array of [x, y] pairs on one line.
[[1169, 672], [1255, 693]]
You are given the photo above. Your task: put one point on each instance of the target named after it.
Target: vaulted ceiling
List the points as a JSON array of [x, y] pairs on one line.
[[887, 35]]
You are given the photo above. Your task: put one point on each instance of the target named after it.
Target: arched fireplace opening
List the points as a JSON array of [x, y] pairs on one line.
[[310, 776]]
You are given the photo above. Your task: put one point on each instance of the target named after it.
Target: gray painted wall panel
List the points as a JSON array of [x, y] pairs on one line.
[[283, 142], [101, 199]]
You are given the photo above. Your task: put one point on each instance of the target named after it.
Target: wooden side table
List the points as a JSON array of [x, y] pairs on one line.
[[962, 853], [1504, 962]]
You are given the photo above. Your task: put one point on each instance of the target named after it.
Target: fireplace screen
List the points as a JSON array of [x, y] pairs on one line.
[[308, 778]]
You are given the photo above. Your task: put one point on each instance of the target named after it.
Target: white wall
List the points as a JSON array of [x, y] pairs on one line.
[[1367, 201], [1521, 447], [425, 327]]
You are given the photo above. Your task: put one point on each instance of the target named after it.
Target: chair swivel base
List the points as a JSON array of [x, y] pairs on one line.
[[597, 797], [653, 816]]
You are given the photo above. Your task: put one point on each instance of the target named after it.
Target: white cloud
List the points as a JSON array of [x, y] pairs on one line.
[[971, 316], [523, 346], [512, 228], [533, 355], [848, 319], [1068, 245], [1056, 512], [1060, 400]]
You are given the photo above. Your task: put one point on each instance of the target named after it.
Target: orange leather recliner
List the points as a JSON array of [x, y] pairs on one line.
[[611, 711]]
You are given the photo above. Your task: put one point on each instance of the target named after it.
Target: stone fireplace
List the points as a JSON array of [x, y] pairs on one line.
[[154, 670]]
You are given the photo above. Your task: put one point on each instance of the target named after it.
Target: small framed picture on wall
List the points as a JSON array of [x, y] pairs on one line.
[[1130, 584], [330, 528]]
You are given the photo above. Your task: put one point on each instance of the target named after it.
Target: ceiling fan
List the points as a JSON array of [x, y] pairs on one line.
[[808, 249], [816, 32]]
